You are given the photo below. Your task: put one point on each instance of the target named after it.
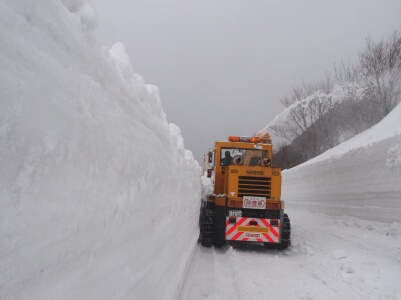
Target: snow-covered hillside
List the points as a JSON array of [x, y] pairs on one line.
[[361, 177], [338, 94], [98, 196], [301, 114]]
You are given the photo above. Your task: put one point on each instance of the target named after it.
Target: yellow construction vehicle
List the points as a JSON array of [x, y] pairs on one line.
[[244, 203]]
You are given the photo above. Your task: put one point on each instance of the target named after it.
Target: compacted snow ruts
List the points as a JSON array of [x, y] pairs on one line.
[[330, 258]]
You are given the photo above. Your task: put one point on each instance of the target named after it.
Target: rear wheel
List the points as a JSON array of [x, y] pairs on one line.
[[286, 237], [219, 226], [206, 227], [218, 243], [283, 245], [270, 245]]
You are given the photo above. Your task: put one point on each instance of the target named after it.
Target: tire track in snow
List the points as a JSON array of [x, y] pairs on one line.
[[209, 277], [330, 258]]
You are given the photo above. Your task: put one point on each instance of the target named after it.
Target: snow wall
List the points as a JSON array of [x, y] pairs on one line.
[[360, 177], [98, 196]]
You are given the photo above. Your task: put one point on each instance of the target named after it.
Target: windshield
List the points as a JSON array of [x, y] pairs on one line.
[[238, 156]]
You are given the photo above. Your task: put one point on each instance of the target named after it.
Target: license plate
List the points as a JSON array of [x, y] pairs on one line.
[[235, 213], [254, 202]]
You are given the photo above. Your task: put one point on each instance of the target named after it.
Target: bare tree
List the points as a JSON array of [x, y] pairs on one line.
[[369, 89], [381, 63], [298, 93], [345, 73], [307, 118]]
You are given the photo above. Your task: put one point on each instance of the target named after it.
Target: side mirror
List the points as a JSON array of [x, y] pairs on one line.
[[210, 158]]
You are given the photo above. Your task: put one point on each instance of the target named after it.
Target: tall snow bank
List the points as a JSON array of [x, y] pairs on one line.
[[360, 177], [98, 196]]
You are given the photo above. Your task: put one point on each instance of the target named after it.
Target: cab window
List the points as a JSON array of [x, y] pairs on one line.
[[250, 157]]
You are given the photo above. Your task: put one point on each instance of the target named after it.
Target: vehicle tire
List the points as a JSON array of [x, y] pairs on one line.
[[218, 243], [270, 245], [206, 228], [283, 245], [286, 237], [219, 227]]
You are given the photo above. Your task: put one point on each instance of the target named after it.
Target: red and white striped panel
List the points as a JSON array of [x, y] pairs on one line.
[[232, 233]]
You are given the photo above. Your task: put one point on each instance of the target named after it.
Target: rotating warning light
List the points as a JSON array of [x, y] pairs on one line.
[[245, 139], [234, 138]]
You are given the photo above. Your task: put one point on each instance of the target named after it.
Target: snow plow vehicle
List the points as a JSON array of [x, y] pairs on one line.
[[243, 203]]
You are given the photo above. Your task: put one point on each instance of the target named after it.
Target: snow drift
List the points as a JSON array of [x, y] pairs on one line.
[[97, 194], [360, 177]]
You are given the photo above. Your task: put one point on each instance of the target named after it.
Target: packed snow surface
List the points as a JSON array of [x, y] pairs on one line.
[[98, 195], [345, 211]]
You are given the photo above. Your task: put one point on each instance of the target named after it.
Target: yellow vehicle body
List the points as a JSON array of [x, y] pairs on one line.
[[245, 204]]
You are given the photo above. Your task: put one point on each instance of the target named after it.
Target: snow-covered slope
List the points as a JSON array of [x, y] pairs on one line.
[[337, 94], [97, 194], [361, 177]]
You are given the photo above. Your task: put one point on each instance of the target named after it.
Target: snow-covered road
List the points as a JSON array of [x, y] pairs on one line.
[[99, 198], [330, 258], [345, 211]]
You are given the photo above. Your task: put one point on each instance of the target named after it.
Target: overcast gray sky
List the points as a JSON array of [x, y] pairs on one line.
[[221, 66]]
